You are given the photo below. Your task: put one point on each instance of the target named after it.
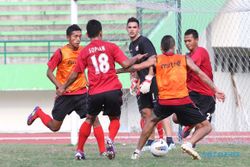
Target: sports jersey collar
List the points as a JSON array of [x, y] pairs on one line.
[[135, 41], [191, 53], [168, 53], [69, 47], [95, 40]]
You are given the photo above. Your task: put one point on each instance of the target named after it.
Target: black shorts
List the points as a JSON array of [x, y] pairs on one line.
[[145, 101], [149, 99], [206, 104], [109, 102], [187, 114], [67, 103]]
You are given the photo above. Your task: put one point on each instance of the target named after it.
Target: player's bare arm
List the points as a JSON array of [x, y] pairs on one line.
[[146, 64], [146, 84], [219, 94], [129, 62], [52, 78], [137, 67], [151, 71], [122, 70], [61, 89]]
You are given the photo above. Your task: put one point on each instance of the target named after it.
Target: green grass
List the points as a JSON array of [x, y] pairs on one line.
[[20, 155]]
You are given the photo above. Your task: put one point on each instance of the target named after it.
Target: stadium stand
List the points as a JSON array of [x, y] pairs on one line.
[[42, 28], [32, 30]]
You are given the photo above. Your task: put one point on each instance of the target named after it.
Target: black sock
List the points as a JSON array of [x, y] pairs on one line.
[[169, 140], [149, 142]]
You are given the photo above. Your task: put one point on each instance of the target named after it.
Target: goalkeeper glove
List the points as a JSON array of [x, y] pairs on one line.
[[145, 86], [133, 88]]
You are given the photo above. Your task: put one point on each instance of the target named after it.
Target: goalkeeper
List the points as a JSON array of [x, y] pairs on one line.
[[147, 93]]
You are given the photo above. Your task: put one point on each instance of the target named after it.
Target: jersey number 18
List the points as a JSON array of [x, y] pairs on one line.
[[103, 63]]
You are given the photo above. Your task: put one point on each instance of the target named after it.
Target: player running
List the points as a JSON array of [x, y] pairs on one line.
[[75, 97], [200, 93], [171, 76], [105, 94]]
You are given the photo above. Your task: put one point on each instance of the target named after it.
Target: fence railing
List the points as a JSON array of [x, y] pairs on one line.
[[39, 48], [24, 48]]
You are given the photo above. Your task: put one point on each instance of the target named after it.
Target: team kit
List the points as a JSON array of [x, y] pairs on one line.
[[167, 86]]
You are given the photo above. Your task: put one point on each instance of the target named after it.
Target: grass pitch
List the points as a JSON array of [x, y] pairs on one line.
[[213, 155]]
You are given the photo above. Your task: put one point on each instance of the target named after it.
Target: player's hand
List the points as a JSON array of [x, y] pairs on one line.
[[133, 88], [60, 90], [220, 95], [140, 56], [118, 71], [145, 86]]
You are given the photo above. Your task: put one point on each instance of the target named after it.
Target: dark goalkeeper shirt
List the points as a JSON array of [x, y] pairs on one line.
[[142, 45]]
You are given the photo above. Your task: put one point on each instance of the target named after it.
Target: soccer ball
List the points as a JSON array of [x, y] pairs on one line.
[[159, 148]]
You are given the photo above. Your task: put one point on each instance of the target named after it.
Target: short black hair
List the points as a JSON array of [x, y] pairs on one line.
[[73, 27], [133, 19], [193, 32], [94, 27], [167, 42]]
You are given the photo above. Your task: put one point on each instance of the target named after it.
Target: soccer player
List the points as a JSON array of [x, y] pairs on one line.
[[201, 94], [148, 88], [105, 93], [75, 97], [173, 97]]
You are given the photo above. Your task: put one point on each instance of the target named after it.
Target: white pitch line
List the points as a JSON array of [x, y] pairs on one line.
[[118, 137]]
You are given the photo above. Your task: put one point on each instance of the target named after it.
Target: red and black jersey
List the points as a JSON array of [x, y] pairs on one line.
[[201, 59], [99, 58]]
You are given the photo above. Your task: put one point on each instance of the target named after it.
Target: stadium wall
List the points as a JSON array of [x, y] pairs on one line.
[[17, 105]]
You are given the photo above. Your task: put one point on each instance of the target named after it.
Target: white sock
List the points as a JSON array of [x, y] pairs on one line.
[[189, 144], [137, 151]]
